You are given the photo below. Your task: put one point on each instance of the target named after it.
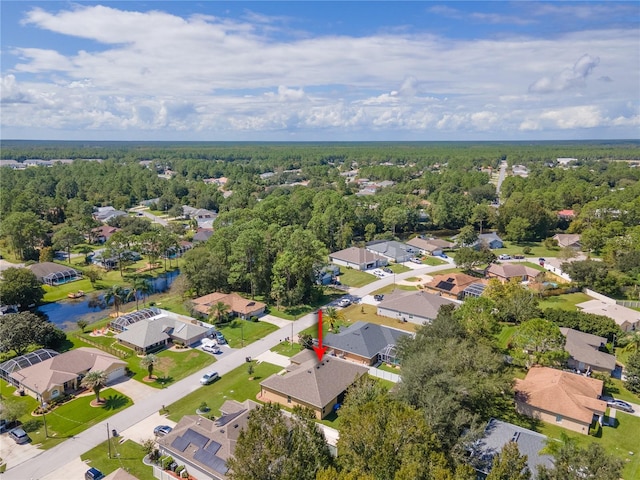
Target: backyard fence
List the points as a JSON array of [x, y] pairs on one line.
[[376, 372], [629, 303], [113, 351]]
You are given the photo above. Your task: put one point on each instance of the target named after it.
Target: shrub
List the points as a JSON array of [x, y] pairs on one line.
[[526, 250], [254, 319]]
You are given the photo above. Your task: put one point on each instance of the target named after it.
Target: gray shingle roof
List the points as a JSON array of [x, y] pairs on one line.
[[421, 304], [583, 347], [355, 255], [364, 339], [150, 331], [315, 383]]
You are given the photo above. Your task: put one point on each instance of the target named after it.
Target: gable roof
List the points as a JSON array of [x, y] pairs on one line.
[[235, 302], [453, 283], [355, 255], [150, 331], [312, 382], [583, 347], [65, 367], [561, 393], [364, 339], [429, 245], [208, 443], [497, 434], [421, 304], [512, 270], [389, 248], [618, 313], [567, 239], [44, 269], [202, 235]]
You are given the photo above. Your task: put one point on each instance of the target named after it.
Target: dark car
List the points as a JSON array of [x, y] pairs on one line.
[[620, 405], [162, 430], [93, 474], [378, 297], [220, 338], [387, 270], [19, 436]]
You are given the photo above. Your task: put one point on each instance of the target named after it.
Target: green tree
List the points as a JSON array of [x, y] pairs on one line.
[[476, 314], [539, 342], [25, 231], [394, 217], [46, 255], [271, 447], [632, 369], [115, 294], [333, 315], [514, 302], [468, 258], [66, 238], [517, 230], [20, 287], [93, 274], [95, 380], [82, 324], [509, 464], [483, 215], [219, 311], [141, 286], [592, 240], [149, 362], [467, 236]]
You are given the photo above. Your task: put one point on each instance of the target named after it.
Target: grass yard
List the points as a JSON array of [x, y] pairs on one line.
[[238, 330], [171, 302], [392, 287], [505, 335], [618, 390], [127, 455], [287, 349], [355, 278], [432, 261], [399, 268], [234, 385], [618, 441], [174, 365], [293, 313], [537, 249], [564, 302]]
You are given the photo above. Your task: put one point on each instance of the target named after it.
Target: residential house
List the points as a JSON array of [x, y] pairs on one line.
[[202, 235], [512, 271], [568, 240], [490, 240], [63, 373], [451, 285], [415, 307], [430, 246], [626, 318], [560, 398], [318, 385], [520, 170], [120, 474], [496, 435], [54, 274], [104, 214], [238, 306], [23, 361], [358, 258], [103, 233], [365, 343], [554, 265], [205, 445], [585, 352], [152, 329], [205, 218], [566, 214], [395, 251]]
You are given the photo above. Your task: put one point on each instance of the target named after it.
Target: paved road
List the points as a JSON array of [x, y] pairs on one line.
[[501, 176], [50, 460], [151, 216]]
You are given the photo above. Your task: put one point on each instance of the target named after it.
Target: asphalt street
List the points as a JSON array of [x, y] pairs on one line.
[[50, 460]]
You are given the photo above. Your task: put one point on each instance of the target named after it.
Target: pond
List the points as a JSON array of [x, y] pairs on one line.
[[66, 313]]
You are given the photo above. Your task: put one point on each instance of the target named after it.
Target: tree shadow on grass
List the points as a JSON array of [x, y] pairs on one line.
[[164, 380], [115, 402]]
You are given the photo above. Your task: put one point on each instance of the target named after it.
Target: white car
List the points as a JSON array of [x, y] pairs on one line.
[[211, 348], [504, 256], [207, 378], [345, 302]]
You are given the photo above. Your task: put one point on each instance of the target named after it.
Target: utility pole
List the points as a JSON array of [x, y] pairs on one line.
[[109, 441]]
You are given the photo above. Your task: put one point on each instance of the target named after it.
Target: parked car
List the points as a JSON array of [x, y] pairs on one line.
[[220, 338], [504, 256], [345, 302], [19, 436], [162, 430], [415, 260], [208, 378], [620, 405], [378, 297], [387, 270], [211, 348], [93, 474], [518, 257]]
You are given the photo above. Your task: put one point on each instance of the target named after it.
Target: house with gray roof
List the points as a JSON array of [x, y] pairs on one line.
[[54, 274], [358, 258], [363, 342], [156, 329], [430, 246], [585, 352], [205, 445], [496, 435], [490, 240], [318, 385], [395, 251], [104, 214], [414, 307]]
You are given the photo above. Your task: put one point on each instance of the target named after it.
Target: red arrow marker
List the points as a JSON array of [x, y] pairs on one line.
[[320, 349]]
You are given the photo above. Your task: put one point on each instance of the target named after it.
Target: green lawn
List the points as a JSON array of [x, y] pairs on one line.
[[564, 302], [127, 455], [391, 288], [293, 313], [66, 420], [234, 385], [355, 278], [174, 365], [618, 441], [432, 261], [537, 250], [399, 268], [618, 390], [238, 330], [505, 335], [287, 349]]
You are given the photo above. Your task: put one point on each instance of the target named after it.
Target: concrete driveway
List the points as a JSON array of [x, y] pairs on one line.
[[15, 454], [73, 469], [133, 389], [278, 322], [143, 430]]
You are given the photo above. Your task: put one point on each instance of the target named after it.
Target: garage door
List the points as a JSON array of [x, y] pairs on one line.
[[116, 374]]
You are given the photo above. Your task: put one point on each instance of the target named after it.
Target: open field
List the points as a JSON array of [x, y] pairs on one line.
[[240, 333], [564, 302], [355, 278], [293, 313]]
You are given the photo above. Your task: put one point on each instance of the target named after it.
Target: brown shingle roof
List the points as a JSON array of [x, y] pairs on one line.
[[512, 270], [235, 302], [315, 383], [429, 245], [355, 255], [453, 283], [562, 393]]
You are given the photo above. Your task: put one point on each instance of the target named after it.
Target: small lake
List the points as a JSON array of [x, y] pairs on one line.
[[66, 313]]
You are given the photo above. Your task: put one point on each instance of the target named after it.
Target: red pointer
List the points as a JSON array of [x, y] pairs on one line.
[[320, 349]]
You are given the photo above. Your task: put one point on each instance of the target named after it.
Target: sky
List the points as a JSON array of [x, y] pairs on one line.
[[319, 71]]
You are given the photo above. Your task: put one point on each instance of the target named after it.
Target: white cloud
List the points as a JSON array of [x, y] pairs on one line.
[[568, 78]]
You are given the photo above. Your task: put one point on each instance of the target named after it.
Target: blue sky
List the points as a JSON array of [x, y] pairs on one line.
[[320, 71]]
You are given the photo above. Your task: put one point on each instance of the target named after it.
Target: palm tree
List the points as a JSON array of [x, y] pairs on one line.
[[141, 286], [117, 294], [96, 381], [149, 361], [219, 310], [333, 315]]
